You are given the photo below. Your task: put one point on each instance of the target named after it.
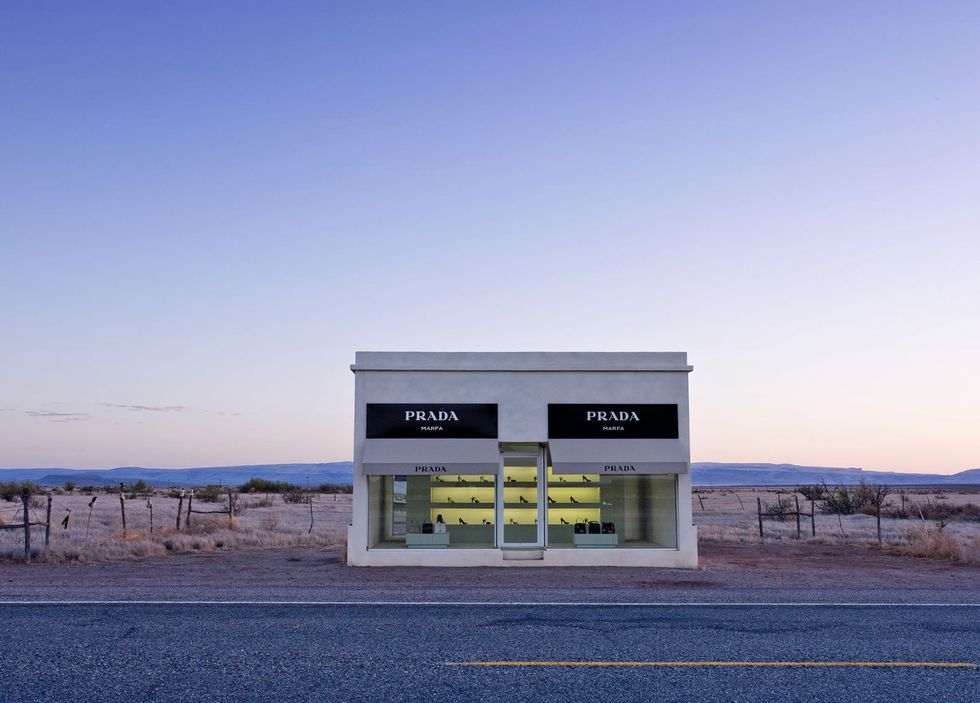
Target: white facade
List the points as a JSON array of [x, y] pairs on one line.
[[644, 482]]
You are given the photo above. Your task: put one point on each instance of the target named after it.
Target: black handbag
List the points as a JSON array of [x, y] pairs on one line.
[[426, 528], [609, 528], [580, 528], [594, 527]]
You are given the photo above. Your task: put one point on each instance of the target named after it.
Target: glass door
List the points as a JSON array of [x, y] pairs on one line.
[[521, 501]]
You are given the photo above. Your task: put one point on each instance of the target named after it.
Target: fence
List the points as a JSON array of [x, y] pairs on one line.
[[26, 525]]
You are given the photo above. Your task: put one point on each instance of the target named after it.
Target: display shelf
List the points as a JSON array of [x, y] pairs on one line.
[[573, 506], [462, 506]]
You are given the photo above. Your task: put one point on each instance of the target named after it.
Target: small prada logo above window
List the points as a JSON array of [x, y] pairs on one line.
[[619, 467], [429, 469], [611, 416], [431, 416]]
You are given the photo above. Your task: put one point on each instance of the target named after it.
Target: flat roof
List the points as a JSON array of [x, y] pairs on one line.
[[520, 361]]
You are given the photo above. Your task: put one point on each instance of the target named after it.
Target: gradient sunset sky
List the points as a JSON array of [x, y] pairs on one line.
[[206, 208]]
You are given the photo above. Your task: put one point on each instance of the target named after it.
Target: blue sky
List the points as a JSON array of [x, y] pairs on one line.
[[205, 208]]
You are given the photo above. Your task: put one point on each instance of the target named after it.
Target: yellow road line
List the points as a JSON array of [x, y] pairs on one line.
[[940, 665]]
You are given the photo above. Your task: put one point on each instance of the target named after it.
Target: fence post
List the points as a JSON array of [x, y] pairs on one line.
[[47, 522], [700, 501], [180, 507], [813, 522], [122, 508], [190, 503], [149, 504], [740, 505], [758, 502], [797, 499], [230, 508], [310, 531], [27, 526], [878, 518]]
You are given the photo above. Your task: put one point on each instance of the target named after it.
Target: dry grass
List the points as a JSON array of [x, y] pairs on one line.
[[730, 515], [97, 535]]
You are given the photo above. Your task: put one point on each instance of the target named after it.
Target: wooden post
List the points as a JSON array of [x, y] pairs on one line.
[[758, 502], [230, 508], [47, 522], [190, 502], [310, 531], [813, 521], [27, 526], [701, 502], [740, 501], [122, 508], [797, 499], [180, 507], [149, 504], [878, 518]]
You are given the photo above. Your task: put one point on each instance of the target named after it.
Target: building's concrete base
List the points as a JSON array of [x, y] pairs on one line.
[[683, 558]]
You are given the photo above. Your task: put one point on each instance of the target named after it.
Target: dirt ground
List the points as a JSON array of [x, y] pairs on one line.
[[317, 573]]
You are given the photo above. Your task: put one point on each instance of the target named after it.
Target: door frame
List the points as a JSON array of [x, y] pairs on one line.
[[542, 492]]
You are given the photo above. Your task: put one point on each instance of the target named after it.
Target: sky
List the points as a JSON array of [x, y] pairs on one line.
[[206, 208]]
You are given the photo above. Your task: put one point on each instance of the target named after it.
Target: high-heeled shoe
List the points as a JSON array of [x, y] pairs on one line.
[[564, 521], [459, 479], [510, 479], [462, 521], [473, 499], [437, 479], [514, 522], [450, 499], [586, 479], [551, 500], [572, 498], [523, 499], [561, 479], [486, 522]]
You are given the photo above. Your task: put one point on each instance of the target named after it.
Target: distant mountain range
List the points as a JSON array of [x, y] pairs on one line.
[[703, 474], [714, 474], [299, 474]]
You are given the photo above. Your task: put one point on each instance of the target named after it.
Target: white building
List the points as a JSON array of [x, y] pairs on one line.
[[488, 459]]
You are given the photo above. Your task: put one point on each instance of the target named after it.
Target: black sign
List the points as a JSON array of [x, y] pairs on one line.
[[612, 421], [431, 420]]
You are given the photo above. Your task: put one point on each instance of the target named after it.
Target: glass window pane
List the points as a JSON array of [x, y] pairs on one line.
[[520, 500], [639, 510], [401, 508]]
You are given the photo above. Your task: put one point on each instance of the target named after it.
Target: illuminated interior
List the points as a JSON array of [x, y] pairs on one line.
[[640, 510]]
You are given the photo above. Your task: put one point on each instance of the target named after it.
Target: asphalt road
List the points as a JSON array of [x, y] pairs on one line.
[[239, 652]]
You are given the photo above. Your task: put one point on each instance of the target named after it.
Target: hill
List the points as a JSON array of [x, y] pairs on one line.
[[703, 474]]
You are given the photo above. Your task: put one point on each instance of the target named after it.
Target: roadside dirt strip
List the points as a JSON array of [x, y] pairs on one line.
[[729, 573]]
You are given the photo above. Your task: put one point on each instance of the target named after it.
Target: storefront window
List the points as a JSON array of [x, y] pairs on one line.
[[592, 510], [440, 511]]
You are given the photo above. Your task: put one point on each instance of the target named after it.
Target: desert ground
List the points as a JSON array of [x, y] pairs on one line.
[[94, 530]]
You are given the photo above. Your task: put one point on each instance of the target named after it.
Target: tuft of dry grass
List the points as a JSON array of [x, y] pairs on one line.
[[932, 543]]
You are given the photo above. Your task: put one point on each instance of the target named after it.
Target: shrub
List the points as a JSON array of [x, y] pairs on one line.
[[297, 496], [811, 491], [779, 510], [11, 491], [208, 494], [69, 486], [262, 485], [335, 488]]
